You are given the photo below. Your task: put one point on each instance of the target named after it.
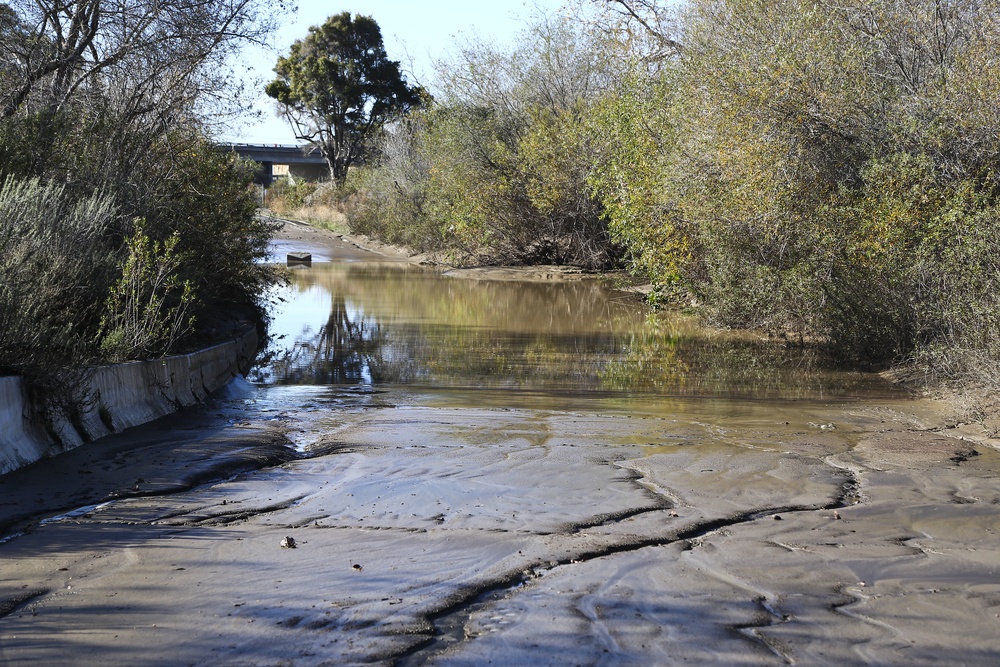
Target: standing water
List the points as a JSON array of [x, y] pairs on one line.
[[402, 326]]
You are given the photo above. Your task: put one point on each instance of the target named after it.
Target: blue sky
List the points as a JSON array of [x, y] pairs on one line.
[[415, 32]]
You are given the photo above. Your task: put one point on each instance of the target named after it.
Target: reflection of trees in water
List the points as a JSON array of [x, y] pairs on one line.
[[658, 358], [655, 361], [342, 351], [421, 328], [413, 294], [494, 358]]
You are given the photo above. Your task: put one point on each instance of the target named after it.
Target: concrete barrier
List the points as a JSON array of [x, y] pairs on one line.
[[20, 442], [120, 396]]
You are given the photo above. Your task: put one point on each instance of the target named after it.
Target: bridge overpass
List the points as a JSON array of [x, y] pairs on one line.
[[276, 160]]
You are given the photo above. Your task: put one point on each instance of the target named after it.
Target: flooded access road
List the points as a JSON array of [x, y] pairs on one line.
[[533, 472]]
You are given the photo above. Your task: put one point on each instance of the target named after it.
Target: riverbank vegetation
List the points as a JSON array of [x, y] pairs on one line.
[[124, 234], [820, 171]]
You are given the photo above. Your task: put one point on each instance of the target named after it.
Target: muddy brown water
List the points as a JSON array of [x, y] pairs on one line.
[[527, 473], [403, 326]]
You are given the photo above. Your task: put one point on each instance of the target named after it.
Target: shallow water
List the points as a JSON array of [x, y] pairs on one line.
[[395, 325]]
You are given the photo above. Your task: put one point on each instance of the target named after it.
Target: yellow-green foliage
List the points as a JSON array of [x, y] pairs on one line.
[[825, 169], [634, 126], [821, 168], [497, 169], [147, 309], [829, 158]]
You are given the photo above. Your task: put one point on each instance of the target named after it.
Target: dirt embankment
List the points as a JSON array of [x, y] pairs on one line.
[[298, 236]]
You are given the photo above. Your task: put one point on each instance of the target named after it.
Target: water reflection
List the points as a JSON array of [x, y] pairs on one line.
[[385, 324]]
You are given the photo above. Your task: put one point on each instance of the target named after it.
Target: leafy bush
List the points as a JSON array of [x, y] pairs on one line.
[[633, 125], [56, 263], [390, 199], [70, 258], [206, 200], [286, 197], [115, 209], [819, 169], [146, 311], [497, 169]]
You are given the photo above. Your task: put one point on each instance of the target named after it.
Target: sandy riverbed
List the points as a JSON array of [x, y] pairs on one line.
[[485, 531]]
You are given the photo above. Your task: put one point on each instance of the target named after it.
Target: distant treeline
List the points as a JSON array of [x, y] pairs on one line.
[[824, 171], [123, 233]]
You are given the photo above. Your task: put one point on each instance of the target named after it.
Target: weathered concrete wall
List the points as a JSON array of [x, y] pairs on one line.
[[20, 443], [120, 396]]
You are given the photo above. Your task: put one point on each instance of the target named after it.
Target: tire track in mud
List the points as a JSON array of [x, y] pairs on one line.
[[14, 604], [449, 623]]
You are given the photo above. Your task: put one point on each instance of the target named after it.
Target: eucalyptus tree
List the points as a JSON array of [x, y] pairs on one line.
[[337, 88]]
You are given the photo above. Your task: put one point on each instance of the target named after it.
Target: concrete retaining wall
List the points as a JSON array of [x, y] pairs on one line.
[[20, 443], [120, 396]]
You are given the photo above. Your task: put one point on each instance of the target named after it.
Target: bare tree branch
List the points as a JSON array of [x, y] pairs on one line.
[[53, 49]]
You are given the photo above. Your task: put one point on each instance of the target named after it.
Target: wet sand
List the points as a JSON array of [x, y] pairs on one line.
[[435, 528], [323, 244]]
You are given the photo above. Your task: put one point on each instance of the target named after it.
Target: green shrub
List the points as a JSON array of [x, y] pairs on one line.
[[497, 170], [146, 312], [87, 148], [208, 203], [286, 196], [71, 261], [56, 264]]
